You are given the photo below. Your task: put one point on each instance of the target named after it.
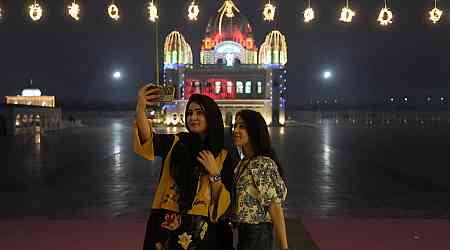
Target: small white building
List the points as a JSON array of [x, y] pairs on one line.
[[31, 97], [28, 113]]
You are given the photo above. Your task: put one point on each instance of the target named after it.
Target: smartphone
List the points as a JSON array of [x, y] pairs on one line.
[[167, 93]]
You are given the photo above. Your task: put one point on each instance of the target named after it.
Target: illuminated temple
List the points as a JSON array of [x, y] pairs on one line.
[[30, 112], [233, 69]]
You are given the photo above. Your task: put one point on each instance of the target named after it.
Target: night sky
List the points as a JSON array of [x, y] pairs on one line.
[[75, 61]]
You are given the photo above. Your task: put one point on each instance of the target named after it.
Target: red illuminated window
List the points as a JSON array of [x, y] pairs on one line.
[[249, 43], [229, 87], [197, 87], [217, 87], [214, 88], [208, 43]]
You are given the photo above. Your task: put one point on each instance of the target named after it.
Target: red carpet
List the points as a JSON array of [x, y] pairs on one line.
[[127, 234]]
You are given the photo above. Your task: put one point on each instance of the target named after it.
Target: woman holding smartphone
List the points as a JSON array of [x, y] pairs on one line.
[[259, 186], [196, 176]]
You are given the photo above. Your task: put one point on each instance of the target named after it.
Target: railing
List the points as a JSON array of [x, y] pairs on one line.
[[372, 118]]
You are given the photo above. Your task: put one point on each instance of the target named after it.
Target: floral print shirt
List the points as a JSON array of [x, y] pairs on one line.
[[258, 183]]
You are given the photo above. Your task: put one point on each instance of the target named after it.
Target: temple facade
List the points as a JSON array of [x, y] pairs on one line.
[[233, 70]]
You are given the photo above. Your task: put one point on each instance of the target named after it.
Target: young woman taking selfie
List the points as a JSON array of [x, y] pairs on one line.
[[195, 179]]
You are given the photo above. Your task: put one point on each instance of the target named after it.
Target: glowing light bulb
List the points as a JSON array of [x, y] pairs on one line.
[[269, 12], [385, 17], [152, 12], [347, 14], [35, 11], [229, 9], [74, 11], [309, 15], [435, 13], [193, 11], [113, 12]]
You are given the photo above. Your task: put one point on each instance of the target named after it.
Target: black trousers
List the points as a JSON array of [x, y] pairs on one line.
[[255, 236]]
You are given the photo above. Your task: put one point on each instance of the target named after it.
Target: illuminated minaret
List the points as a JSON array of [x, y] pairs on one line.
[[273, 56], [177, 55]]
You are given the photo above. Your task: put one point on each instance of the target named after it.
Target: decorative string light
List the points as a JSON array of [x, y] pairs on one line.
[[386, 16], [35, 11], [74, 10], [229, 6], [152, 12], [308, 14], [269, 12], [435, 13], [347, 14], [113, 11], [226, 10], [193, 11]]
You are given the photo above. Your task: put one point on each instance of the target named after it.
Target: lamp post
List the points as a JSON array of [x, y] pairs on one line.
[[153, 17], [157, 51]]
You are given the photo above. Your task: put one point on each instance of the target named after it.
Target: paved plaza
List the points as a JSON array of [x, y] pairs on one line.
[[350, 187]]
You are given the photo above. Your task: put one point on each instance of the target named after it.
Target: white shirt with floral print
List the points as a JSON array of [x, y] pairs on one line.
[[258, 183]]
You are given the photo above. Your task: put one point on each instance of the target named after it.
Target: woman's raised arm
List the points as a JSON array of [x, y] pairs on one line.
[[142, 134]]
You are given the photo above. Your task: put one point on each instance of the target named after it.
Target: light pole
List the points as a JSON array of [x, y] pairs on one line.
[[157, 50], [153, 17]]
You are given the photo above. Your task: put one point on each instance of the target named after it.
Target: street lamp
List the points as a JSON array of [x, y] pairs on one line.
[[153, 17], [117, 75], [327, 74]]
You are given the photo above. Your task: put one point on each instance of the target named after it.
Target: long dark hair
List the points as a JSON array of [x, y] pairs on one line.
[[259, 137], [185, 168], [214, 139]]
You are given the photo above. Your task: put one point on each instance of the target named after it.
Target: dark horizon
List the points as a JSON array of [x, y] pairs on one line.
[[74, 61]]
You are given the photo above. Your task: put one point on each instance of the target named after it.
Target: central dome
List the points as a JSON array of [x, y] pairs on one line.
[[228, 30]]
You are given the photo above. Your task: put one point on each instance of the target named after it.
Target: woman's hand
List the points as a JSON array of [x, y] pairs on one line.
[[279, 223], [209, 162], [148, 94]]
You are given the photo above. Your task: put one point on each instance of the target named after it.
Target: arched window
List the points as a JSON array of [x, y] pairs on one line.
[[239, 87], [217, 87], [197, 87], [259, 87], [229, 87], [248, 87]]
